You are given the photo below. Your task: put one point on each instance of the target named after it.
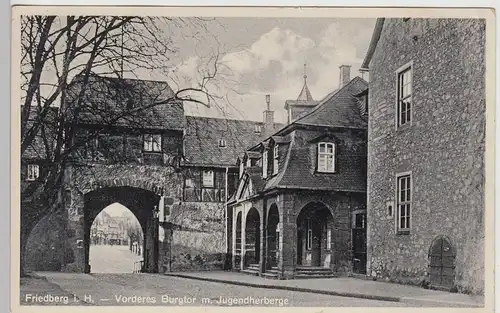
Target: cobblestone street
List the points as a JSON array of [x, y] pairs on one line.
[[151, 289], [112, 259]]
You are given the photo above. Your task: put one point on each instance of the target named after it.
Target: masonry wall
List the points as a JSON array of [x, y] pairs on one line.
[[443, 148]]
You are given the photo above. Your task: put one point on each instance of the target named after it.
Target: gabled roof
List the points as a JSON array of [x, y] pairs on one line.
[[118, 102], [202, 137], [339, 109], [373, 44]]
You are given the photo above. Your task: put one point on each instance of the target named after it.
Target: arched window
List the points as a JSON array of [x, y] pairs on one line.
[[326, 157]]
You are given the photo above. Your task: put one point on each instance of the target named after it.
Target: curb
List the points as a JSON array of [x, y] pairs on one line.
[[290, 288]]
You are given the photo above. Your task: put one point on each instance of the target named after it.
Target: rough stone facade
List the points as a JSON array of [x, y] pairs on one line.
[[443, 148]]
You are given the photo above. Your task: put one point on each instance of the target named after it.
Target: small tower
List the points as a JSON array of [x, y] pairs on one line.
[[303, 104]]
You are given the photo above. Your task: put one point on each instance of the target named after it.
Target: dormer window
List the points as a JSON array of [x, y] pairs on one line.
[[258, 128], [222, 143], [264, 164], [275, 159], [326, 157]]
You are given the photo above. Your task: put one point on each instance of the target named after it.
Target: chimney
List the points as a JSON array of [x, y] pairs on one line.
[[268, 118], [345, 75]]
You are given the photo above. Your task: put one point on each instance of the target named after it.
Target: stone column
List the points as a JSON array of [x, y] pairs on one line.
[[243, 238], [233, 234], [287, 240], [263, 241]]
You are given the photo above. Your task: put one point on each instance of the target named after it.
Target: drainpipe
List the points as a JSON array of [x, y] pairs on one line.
[[225, 216]]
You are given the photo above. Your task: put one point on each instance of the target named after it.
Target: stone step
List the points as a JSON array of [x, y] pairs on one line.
[[250, 272], [314, 272], [253, 266], [313, 268], [309, 276]]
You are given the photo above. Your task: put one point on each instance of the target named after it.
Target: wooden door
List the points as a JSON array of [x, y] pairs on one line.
[[359, 250], [442, 264]]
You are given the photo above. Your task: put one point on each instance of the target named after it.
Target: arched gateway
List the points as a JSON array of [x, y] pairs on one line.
[[90, 189]]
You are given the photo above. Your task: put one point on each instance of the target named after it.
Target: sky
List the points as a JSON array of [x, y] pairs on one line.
[[267, 56]]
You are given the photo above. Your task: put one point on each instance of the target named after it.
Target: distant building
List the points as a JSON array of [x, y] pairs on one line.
[[426, 152], [300, 206]]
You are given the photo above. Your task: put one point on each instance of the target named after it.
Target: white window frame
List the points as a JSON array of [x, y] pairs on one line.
[[309, 235], [326, 155], [264, 164], [275, 159], [207, 179], [408, 67], [32, 172], [152, 145], [404, 202]]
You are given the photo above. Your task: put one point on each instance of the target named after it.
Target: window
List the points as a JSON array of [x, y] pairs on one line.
[[389, 209], [404, 96], [258, 129], [360, 220], [33, 172], [309, 235], [208, 178], [222, 143], [326, 157], [189, 182], [152, 143], [264, 164], [404, 202], [275, 159]]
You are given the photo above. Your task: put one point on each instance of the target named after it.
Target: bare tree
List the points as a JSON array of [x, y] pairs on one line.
[[65, 62]]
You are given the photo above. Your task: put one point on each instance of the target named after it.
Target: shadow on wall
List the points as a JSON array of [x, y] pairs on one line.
[[44, 248]]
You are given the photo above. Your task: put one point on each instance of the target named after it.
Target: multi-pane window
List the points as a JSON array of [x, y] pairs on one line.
[[208, 178], [404, 202], [152, 143], [275, 159], [264, 164], [326, 157], [309, 235], [404, 96], [33, 172]]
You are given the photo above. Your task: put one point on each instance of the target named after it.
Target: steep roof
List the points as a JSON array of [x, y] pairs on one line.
[[125, 102], [202, 137], [339, 109], [377, 31], [305, 94]]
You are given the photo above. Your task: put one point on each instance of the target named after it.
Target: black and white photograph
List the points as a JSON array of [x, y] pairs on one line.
[[278, 159]]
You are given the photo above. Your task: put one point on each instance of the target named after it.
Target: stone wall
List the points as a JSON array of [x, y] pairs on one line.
[[198, 237], [443, 148]]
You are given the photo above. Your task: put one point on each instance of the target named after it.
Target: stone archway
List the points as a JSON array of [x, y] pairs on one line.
[[442, 263], [140, 202], [252, 238], [314, 235], [272, 237]]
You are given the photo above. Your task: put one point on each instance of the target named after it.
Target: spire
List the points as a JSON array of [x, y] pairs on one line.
[[305, 94]]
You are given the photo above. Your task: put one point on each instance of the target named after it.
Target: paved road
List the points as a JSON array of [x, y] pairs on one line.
[[157, 289], [112, 259]]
